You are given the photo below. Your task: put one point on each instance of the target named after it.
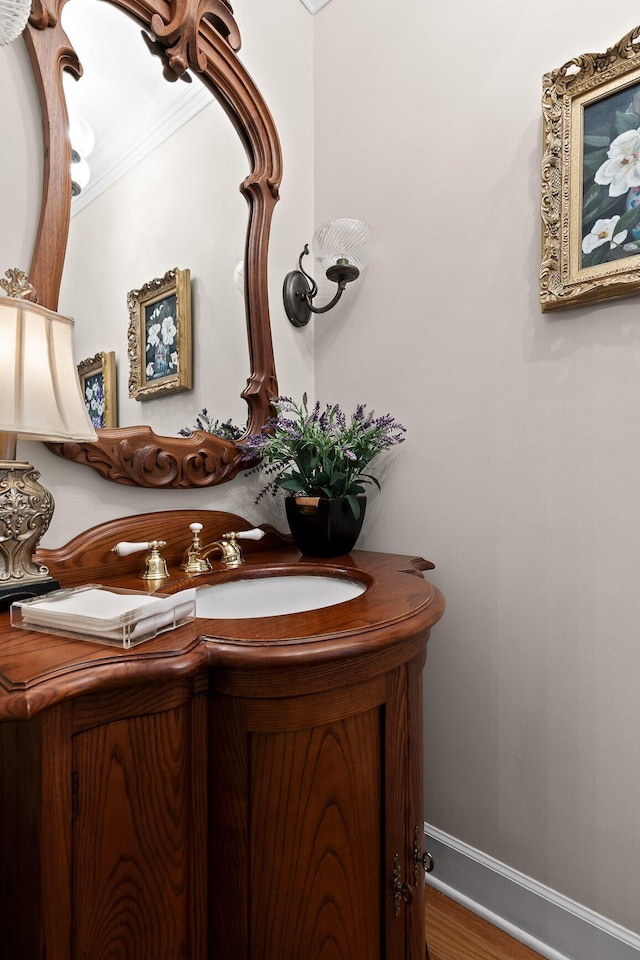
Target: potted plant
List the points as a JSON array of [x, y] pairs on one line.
[[321, 458], [227, 430]]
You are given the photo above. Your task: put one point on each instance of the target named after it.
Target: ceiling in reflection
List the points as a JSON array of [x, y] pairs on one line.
[[314, 5], [140, 110]]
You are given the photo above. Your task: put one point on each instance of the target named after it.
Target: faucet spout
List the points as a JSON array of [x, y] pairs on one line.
[[230, 552], [196, 558]]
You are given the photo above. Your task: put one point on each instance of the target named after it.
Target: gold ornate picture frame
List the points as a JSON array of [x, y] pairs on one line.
[[159, 336], [98, 383], [591, 178]]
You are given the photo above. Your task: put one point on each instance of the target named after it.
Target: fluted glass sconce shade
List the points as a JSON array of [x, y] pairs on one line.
[[13, 19], [343, 239], [40, 399], [343, 248], [238, 277]]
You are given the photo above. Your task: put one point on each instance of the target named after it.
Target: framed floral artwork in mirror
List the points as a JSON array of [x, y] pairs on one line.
[[98, 383], [159, 336], [591, 178]]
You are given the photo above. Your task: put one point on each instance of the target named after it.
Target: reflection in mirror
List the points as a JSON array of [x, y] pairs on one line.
[[163, 193], [201, 39]]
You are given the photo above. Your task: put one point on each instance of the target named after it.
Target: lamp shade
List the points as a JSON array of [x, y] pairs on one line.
[[13, 19], [40, 395], [343, 238]]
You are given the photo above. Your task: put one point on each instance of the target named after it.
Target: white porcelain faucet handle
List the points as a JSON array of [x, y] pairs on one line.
[[255, 534], [195, 527], [124, 548]]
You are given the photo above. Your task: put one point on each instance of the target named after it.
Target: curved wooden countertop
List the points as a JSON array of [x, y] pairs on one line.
[[397, 609]]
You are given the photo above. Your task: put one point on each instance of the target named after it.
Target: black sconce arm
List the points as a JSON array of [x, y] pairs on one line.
[[300, 289]]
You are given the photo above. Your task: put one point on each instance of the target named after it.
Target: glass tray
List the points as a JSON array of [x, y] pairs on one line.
[[120, 618]]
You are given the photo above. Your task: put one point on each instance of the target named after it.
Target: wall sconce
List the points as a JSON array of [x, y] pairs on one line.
[[83, 141], [13, 19], [343, 248], [40, 399], [238, 277]]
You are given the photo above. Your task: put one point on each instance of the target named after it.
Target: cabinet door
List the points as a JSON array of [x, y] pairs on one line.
[[35, 836], [296, 829], [399, 892], [316, 873], [135, 838], [415, 809], [404, 820]]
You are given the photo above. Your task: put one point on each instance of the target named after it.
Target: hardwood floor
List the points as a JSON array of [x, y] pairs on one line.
[[454, 933]]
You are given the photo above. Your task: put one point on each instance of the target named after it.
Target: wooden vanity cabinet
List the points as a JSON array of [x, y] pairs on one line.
[[230, 790]]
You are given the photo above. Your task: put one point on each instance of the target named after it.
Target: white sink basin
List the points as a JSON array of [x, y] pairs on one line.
[[273, 596]]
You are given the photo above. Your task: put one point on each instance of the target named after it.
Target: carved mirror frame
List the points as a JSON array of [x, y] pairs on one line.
[[201, 36]]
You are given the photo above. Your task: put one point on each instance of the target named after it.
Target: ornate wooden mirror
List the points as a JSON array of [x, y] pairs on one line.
[[203, 38]]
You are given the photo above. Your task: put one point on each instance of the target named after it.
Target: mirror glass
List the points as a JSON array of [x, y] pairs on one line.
[[163, 193]]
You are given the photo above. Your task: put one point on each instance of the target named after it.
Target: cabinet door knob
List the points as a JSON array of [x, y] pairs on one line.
[[426, 860], [420, 858]]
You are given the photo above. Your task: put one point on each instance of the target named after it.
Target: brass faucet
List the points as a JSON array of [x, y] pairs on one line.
[[196, 558], [155, 567]]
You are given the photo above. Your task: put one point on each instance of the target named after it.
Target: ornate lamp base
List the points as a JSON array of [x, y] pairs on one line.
[[26, 508]]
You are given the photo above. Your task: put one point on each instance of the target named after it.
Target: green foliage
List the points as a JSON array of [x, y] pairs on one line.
[[226, 430], [625, 121], [320, 452], [596, 203]]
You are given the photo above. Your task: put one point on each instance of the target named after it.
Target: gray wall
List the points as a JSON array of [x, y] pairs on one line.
[[521, 470]]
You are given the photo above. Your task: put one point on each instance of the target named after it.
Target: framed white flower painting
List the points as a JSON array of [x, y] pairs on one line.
[[159, 336], [98, 383], [591, 178]]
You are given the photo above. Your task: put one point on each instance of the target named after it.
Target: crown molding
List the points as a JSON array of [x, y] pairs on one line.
[[145, 128], [314, 5]]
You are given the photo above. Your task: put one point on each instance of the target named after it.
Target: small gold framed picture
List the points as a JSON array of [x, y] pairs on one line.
[[159, 336], [591, 178], [98, 384]]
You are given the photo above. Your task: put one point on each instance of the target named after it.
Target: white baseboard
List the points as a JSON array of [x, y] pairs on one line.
[[549, 923]]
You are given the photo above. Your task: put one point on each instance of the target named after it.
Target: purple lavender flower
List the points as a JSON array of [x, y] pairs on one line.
[[320, 452]]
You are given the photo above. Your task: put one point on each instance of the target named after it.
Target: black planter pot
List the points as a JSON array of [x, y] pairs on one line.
[[323, 527]]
